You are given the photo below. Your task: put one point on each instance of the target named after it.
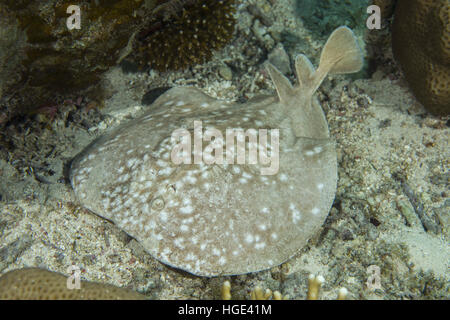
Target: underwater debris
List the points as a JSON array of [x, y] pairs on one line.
[[10, 252], [259, 294], [184, 33]]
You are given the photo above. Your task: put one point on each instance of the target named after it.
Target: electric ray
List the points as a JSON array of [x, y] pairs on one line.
[[221, 188]]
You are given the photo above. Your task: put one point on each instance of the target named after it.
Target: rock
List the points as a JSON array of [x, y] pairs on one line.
[[226, 73], [280, 59]]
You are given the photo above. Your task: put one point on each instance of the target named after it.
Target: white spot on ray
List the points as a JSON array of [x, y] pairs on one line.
[[296, 215], [260, 245], [186, 210]]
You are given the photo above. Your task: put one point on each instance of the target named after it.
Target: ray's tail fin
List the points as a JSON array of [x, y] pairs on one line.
[[341, 54]]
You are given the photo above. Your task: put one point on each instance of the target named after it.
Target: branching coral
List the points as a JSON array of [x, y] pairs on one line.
[[314, 285]]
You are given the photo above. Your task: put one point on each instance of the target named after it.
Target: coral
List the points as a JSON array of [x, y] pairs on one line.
[[226, 290], [314, 285], [421, 46], [55, 60], [259, 294], [256, 294], [40, 284], [185, 32]]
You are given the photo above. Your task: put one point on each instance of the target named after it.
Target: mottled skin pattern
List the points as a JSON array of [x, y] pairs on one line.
[[221, 219]]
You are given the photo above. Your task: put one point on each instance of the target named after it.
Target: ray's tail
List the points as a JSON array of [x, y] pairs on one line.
[[341, 54]]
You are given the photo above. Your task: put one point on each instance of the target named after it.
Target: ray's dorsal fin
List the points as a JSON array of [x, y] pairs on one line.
[[304, 70], [282, 84]]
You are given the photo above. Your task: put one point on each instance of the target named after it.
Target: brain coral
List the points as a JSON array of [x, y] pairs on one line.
[[421, 45], [40, 284]]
